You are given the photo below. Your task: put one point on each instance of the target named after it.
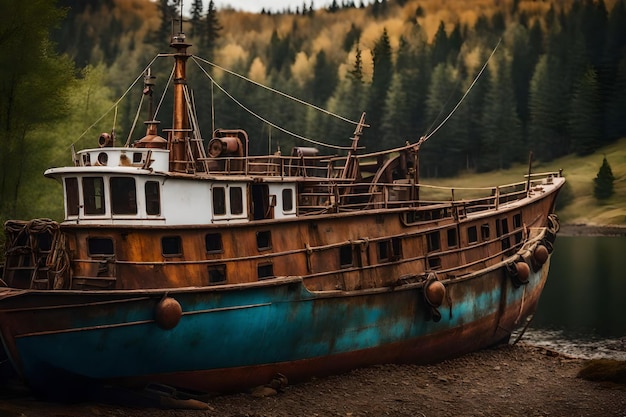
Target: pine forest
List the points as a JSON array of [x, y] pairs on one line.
[[490, 80]]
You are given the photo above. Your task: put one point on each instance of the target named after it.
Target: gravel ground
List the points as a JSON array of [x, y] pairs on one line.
[[518, 380]]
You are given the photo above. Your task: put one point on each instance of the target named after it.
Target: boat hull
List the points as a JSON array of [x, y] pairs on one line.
[[236, 337]]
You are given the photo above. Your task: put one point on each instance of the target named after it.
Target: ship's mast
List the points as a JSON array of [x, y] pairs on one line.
[[179, 134]]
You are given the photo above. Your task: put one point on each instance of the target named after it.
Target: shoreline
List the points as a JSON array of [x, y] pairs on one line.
[[514, 380], [592, 230]]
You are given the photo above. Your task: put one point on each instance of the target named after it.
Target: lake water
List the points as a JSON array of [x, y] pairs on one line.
[[582, 311]]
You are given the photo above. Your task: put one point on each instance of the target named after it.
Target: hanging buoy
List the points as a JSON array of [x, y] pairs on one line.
[[540, 255], [167, 313], [523, 272], [434, 292]]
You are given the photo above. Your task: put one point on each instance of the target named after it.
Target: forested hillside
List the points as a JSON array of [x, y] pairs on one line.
[[556, 83]]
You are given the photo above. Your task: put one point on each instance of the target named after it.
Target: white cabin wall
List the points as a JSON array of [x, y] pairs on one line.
[[186, 202]]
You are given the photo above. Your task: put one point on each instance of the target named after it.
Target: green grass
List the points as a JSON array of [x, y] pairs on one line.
[[577, 204]]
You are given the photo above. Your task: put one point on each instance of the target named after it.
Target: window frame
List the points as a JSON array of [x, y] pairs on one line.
[[90, 196], [120, 205]]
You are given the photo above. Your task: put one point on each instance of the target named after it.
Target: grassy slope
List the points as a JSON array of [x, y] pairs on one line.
[[582, 207]]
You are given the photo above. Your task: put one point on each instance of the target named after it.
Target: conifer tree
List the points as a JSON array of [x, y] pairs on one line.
[[502, 135], [383, 71], [585, 118], [168, 10], [548, 109], [441, 153], [34, 83], [213, 29], [603, 183], [440, 48], [196, 17], [325, 79], [357, 70]]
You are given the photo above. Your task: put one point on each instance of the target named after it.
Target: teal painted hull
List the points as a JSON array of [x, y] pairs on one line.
[[233, 338]]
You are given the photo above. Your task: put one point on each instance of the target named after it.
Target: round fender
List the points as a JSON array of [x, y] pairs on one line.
[[434, 293], [523, 272], [540, 255], [167, 313]]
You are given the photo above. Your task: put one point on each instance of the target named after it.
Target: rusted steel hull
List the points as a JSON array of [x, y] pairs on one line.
[[234, 337]]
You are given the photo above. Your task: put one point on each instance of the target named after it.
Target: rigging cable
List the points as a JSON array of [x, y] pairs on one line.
[[273, 90], [263, 119], [132, 129], [426, 137], [114, 106]]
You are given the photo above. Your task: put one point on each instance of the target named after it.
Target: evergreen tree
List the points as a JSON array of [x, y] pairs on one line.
[[168, 10], [34, 83], [440, 47], [196, 18], [616, 103], [325, 79], [585, 119], [396, 126], [603, 183], [502, 133], [351, 38], [213, 29], [525, 54], [441, 154], [613, 85], [548, 110], [279, 52], [357, 70], [383, 71]]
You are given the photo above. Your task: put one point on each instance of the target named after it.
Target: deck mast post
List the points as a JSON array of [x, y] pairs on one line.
[[178, 137], [530, 166]]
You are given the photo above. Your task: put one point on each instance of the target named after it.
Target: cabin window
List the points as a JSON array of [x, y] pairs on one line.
[[345, 255], [433, 241], [100, 246], [261, 202], [265, 270], [219, 201], [71, 192], [236, 200], [93, 193], [517, 224], [383, 250], [123, 195], [287, 199], [103, 158], [171, 246], [452, 238], [472, 234], [217, 274], [264, 240], [502, 229], [484, 232], [153, 198], [434, 262], [137, 157], [390, 250], [213, 242], [396, 248]]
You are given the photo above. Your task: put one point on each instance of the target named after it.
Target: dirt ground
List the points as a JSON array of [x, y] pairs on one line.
[[518, 380]]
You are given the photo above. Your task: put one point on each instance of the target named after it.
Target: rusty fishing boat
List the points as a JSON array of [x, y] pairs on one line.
[[205, 268]]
